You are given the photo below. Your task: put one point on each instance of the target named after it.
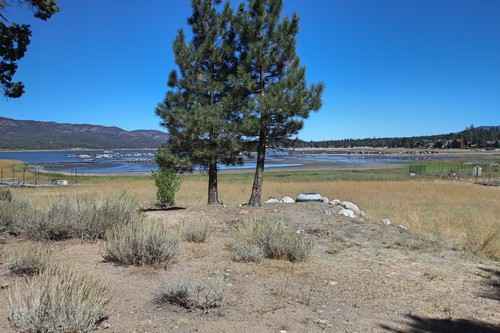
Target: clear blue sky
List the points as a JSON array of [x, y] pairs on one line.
[[391, 67]]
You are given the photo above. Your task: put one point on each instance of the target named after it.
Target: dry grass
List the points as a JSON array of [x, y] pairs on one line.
[[58, 300], [463, 213]]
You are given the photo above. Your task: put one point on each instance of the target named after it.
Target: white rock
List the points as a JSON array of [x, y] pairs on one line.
[[273, 201], [325, 200], [347, 213], [309, 197], [335, 202], [386, 221], [403, 227], [351, 206], [287, 200]]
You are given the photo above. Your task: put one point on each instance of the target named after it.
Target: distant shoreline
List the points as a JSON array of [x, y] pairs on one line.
[[353, 150], [69, 149]]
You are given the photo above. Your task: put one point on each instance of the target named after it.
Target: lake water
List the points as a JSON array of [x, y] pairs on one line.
[[142, 161]]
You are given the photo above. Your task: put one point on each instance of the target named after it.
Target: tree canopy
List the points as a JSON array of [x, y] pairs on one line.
[[14, 41], [202, 109], [274, 79]]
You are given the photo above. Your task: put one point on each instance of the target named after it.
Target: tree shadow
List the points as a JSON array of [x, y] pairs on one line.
[[416, 324], [491, 287]]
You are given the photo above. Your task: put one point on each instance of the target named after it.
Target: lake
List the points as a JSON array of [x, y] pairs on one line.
[[142, 160]]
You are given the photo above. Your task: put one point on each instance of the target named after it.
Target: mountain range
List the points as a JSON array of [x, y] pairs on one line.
[[29, 134]]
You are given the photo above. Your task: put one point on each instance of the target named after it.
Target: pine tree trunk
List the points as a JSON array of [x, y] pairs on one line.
[[213, 190], [256, 197]]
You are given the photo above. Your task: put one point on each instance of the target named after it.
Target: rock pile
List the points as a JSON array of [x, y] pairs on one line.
[[341, 208]]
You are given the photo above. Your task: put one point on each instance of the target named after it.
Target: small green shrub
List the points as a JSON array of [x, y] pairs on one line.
[[274, 238], [5, 195], [56, 301], [141, 244], [190, 295], [195, 232], [29, 259], [168, 183]]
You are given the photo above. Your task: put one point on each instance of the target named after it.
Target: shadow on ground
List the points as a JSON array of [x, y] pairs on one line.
[[491, 286], [415, 324]]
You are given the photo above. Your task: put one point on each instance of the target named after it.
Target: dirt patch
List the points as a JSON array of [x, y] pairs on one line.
[[361, 277]]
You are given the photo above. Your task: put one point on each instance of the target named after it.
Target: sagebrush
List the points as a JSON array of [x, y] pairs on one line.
[[191, 294], [141, 244], [271, 238], [59, 300], [69, 217], [29, 259], [196, 232]]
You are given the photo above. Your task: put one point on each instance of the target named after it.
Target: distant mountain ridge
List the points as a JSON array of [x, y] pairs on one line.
[[30, 134]]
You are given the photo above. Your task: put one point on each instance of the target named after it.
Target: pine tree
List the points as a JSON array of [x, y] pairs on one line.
[[274, 78], [202, 110], [14, 41]]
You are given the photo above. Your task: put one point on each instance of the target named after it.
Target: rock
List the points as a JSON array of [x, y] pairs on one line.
[[386, 221], [351, 206], [335, 202], [309, 197], [106, 325], [325, 200], [347, 213], [323, 323], [4, 286], [273, 201], [403, 227], [287, 200]]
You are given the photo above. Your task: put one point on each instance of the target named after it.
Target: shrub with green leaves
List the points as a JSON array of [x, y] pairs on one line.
[[190, 295], [141, 244], [168, 183], [57, 300], [269, 238], [29, 259]]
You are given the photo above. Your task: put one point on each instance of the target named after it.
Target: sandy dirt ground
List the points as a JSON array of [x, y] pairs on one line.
[[362, 277]]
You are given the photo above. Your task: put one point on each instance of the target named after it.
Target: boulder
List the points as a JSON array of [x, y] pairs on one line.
[[287, 200], [273, 201], [309, 197], [325, 200], [351, 206], [347, 213], [386, 221], [335, 202]]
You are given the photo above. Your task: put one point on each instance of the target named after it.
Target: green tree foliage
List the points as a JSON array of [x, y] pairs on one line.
[[168, 184], [202, 110], [275, 82], [14, 41]]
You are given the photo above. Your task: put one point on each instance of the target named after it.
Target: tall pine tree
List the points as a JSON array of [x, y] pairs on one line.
[[202, 110], [273, 77]]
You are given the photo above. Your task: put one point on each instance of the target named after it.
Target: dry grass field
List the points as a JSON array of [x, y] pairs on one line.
[[462, 213]]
